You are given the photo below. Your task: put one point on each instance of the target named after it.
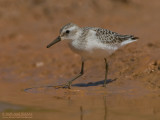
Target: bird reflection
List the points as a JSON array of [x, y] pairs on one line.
[[105, 108], [81, 113]]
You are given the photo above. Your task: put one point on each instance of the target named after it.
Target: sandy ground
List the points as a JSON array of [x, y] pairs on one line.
[[27, 26]]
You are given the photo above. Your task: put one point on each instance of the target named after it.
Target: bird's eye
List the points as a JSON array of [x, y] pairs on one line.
[[67, 31]]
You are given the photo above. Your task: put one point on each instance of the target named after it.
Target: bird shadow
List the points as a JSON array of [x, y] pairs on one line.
[[76, 85], [94, 83]]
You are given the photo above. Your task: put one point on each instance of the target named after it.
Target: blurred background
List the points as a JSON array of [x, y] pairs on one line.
[[27, 26]]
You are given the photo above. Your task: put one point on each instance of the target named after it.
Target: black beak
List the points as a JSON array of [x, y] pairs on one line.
[[54, 41]]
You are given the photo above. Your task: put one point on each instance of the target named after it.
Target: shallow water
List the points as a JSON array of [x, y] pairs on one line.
[[83, 103], [91, 107]]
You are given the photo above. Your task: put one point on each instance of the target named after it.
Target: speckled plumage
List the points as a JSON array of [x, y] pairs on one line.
[[106, 36]]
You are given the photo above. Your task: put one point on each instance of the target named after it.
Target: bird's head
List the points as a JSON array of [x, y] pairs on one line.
[[67, 32]]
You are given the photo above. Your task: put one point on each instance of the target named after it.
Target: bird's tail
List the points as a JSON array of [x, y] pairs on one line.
[[126, 39], [134, 38]]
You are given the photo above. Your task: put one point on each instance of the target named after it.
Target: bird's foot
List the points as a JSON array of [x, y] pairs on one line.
[[104, 85], [65, 86]]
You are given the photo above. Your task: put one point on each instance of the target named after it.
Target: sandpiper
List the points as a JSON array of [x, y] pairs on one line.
[[90, 43]]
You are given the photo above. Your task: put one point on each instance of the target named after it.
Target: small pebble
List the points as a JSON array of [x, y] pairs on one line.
[[39, 64]]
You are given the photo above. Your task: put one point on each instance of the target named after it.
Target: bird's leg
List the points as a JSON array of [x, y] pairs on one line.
[[69, 83], [106, 72]]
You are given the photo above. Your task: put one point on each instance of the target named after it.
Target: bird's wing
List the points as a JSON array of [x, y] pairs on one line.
[[109, 37]]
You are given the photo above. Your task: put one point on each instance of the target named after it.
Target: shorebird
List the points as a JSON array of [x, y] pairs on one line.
[[90, 43]]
